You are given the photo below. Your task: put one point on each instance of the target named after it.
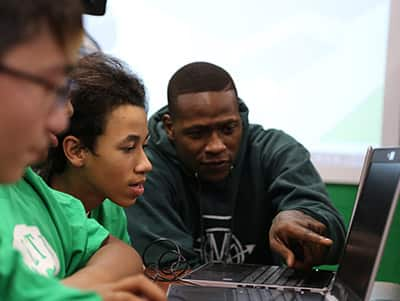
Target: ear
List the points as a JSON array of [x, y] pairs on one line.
[[74, 151], [168, 126]]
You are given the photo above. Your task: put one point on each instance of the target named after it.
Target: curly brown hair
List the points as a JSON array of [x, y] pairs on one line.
[[100, 84]]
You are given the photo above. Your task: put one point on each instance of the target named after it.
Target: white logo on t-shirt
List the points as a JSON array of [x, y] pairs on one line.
[[219, 244], [37, 253]]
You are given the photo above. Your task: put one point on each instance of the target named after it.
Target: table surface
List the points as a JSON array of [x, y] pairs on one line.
[[385, 291]]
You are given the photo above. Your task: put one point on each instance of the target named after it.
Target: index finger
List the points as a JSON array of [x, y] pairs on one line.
[[279, 247], [308, 235], [311, 236]]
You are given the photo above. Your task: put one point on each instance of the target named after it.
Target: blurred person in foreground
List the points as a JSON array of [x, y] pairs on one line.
[[49, 249]]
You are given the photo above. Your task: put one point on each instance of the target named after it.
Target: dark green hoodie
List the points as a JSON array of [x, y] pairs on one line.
[[271, 173]]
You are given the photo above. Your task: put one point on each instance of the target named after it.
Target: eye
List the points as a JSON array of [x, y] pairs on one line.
[[228, 129], [128, 149], [195, 135]]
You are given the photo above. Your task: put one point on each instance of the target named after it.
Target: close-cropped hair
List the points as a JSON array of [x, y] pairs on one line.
[[198, 77], [99, 84], [22, 20]]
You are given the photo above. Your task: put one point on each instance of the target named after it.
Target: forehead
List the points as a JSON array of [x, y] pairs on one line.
[[39, 54], [126, 120], [206, 107]]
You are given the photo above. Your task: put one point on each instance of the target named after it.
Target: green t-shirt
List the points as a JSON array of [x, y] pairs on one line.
[[53, 235], [113, 218], [18, 282]]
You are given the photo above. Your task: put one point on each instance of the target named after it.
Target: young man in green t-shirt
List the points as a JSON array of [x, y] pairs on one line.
[[100, 158], [61, 249]]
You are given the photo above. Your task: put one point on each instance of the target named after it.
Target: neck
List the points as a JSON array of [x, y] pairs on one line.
[[75, 184]]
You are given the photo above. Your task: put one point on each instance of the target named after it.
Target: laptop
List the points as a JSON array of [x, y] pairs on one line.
[[201, 293], [369, 225]]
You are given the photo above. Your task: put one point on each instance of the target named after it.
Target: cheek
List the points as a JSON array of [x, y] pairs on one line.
[[23, 116], [233, 143], [115, 169], [190, 148], [191, 153], [107, 178], [22, 124], [119, 166]]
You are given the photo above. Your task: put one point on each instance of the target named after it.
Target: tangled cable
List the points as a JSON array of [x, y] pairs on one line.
[[171, 264]]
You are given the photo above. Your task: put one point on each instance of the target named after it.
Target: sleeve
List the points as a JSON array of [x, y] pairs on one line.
[[113, 218], [296, 185], [17, 282], [87, 235], [156, 215]]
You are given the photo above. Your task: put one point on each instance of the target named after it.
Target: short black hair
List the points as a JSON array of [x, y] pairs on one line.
[[21, 20], [100, 84], [198, 77]]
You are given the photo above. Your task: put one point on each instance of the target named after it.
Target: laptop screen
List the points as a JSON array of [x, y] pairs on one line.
[[369, 220]]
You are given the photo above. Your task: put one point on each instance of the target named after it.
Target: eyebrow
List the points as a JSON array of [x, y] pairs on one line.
[[131, 138], [134, 138], [218, 124]]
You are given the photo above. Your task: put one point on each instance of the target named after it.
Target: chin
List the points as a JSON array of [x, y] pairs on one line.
[[214, 177], [127, 203], [132, 202], [42, 157]]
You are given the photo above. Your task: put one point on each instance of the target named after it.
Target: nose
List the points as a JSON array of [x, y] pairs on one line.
[[144, 165], [215, 144], [58, 119]]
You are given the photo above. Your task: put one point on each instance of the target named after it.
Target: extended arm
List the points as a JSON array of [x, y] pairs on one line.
[[113, 261], [307, 230], [115, 273]]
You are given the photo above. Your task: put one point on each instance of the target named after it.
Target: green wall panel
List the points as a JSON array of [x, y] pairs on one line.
[[343, 197]]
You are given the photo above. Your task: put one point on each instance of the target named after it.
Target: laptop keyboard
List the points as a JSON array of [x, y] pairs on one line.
[[260, 275], [274, 275], [202, 293], [252, 294]]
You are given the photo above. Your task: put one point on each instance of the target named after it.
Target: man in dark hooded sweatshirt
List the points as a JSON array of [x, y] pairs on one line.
[[226, 190]]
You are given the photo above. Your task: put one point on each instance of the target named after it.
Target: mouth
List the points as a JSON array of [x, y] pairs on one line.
[[137, 189], [215, 170], [216, 167], [213, 164]]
